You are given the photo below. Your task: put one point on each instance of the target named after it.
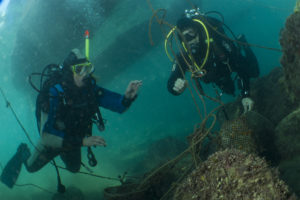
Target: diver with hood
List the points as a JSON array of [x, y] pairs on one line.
[[65, 123], [212, 58]]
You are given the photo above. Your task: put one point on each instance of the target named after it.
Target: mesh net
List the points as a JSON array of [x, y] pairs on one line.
[[237, 135]]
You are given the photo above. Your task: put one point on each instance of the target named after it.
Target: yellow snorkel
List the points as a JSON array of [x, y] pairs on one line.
[[87, 44], [208, 41]]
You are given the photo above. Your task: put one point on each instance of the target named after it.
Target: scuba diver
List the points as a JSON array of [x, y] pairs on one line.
[[211, 57], [67, 117]]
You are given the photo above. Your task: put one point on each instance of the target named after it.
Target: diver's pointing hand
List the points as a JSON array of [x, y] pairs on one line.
[[93, 141], [132, 89]]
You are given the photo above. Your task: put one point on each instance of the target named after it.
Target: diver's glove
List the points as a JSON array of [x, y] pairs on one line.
[[180, 85], [248, 104]]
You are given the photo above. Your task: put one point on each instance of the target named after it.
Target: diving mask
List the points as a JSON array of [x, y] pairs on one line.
[[189, 37], [189, 34], [83, 68]]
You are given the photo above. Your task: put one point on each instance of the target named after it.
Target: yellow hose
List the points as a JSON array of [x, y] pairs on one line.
[[166, 42], [208, 41]]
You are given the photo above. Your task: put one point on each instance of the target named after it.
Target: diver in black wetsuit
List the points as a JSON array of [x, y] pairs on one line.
[[214, 64]]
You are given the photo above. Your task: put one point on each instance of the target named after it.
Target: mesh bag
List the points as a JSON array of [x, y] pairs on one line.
[[236, 134]]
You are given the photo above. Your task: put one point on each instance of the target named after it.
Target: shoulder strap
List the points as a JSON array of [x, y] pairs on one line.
[[59, 88], [60, 91], [97, 118]]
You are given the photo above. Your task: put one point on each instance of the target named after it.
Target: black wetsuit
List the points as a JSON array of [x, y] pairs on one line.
[[222, 51]]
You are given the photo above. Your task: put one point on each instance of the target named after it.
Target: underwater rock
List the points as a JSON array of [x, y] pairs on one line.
[[290, 60], [263, 131], [269, 92], [287, 141], [287, 135], [289, 171], [233, 174], [72, 193]]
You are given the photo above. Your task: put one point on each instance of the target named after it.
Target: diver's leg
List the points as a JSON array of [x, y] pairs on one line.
[[48, 148], [249, 59], [72, 159]]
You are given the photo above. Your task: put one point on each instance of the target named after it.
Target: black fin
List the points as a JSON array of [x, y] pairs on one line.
[[12, 169]]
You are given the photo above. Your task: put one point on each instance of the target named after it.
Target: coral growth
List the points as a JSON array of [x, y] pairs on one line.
[[233, 174]]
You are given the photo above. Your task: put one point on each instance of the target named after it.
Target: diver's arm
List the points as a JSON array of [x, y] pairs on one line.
[[244, 86], [177, 83], [247, 102], [243, 78], [112, 100]]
